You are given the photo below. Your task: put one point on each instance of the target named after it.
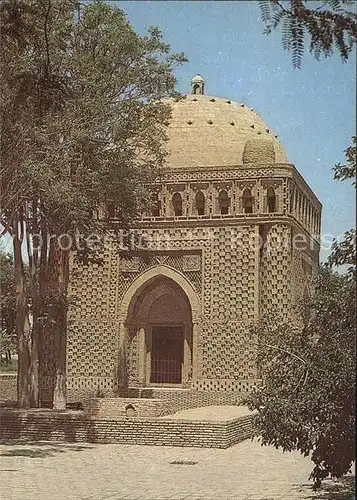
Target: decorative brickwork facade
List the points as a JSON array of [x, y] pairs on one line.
[[217, 254]]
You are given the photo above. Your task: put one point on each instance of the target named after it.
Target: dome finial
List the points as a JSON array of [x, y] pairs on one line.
[[198, 85]]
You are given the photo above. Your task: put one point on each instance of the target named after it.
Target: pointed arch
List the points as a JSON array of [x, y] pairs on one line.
[[143, 279], [247, 201], [271, 200], [177, 204], [223, 201], [200, 203]]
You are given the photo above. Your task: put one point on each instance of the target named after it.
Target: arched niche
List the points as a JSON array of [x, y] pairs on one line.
[[158, 315]]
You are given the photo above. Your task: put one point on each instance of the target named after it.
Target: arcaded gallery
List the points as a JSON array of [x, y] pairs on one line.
[[219, 256]]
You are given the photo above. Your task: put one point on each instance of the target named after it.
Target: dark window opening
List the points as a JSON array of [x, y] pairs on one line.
[[167, 355], [177, 204], [271, 200], [200, 203], [155, 205], [111, 210], [223, 201], [247, 201], [196, 89]]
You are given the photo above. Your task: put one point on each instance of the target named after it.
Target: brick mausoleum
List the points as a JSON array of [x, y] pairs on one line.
[[177, 315]]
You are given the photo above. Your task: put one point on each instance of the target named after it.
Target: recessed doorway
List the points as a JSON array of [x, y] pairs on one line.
[[167, 355]]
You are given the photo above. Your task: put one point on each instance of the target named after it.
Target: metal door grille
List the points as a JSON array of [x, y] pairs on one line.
[[165, 371], [166, 355]]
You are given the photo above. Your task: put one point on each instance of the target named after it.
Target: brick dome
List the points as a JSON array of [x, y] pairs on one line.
[[212, 131]]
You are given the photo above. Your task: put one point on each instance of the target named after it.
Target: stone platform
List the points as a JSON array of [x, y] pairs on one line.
[[212, 413], [203, 427], [157, 402]]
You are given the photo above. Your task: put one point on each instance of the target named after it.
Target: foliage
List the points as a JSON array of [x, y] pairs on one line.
[[348, 171], [90, 124], [307, 401], [7, 305], [83, 129], [9, 366], [344, 252], [329, 25]]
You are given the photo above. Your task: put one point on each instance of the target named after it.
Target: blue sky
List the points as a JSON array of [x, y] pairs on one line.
[[311, 109]]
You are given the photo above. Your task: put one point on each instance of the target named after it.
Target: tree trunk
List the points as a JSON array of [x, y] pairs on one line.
[[34, 389], [59, 396], [34, 375], [41, 262], [22, 327]]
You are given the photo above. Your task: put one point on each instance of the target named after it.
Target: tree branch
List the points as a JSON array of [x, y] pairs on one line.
[[283, 350], [46, 34]]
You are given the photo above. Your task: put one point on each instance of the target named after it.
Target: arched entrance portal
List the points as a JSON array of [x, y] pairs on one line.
[[160, 311]]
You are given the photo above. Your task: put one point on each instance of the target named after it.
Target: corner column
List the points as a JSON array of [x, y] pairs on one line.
[[141, 357], [187, 357], [122, 359], [195, 360]]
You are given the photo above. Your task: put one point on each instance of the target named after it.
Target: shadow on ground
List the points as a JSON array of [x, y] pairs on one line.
[[343, 489], [38, 450]]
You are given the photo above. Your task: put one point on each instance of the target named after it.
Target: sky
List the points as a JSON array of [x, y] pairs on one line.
[[312, 109]]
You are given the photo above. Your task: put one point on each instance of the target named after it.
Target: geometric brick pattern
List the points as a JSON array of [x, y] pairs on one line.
[[173, 259], [235, 282], [276, 270]]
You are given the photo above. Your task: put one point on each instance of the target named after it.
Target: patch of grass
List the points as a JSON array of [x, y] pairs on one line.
[[8, 367]]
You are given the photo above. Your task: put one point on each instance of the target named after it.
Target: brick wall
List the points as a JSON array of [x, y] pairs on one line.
[[147, 402], [156, 403], [114, 408], [239, 429], [38, 425], [182, 399], [178, 398]]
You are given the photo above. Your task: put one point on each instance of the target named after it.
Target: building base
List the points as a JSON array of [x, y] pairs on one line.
[[76, 426]]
